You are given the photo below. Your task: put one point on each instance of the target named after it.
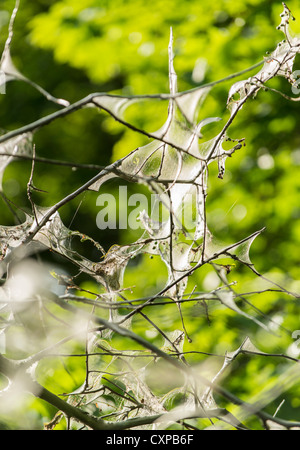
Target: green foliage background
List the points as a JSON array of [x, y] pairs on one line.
[[73, 48]]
